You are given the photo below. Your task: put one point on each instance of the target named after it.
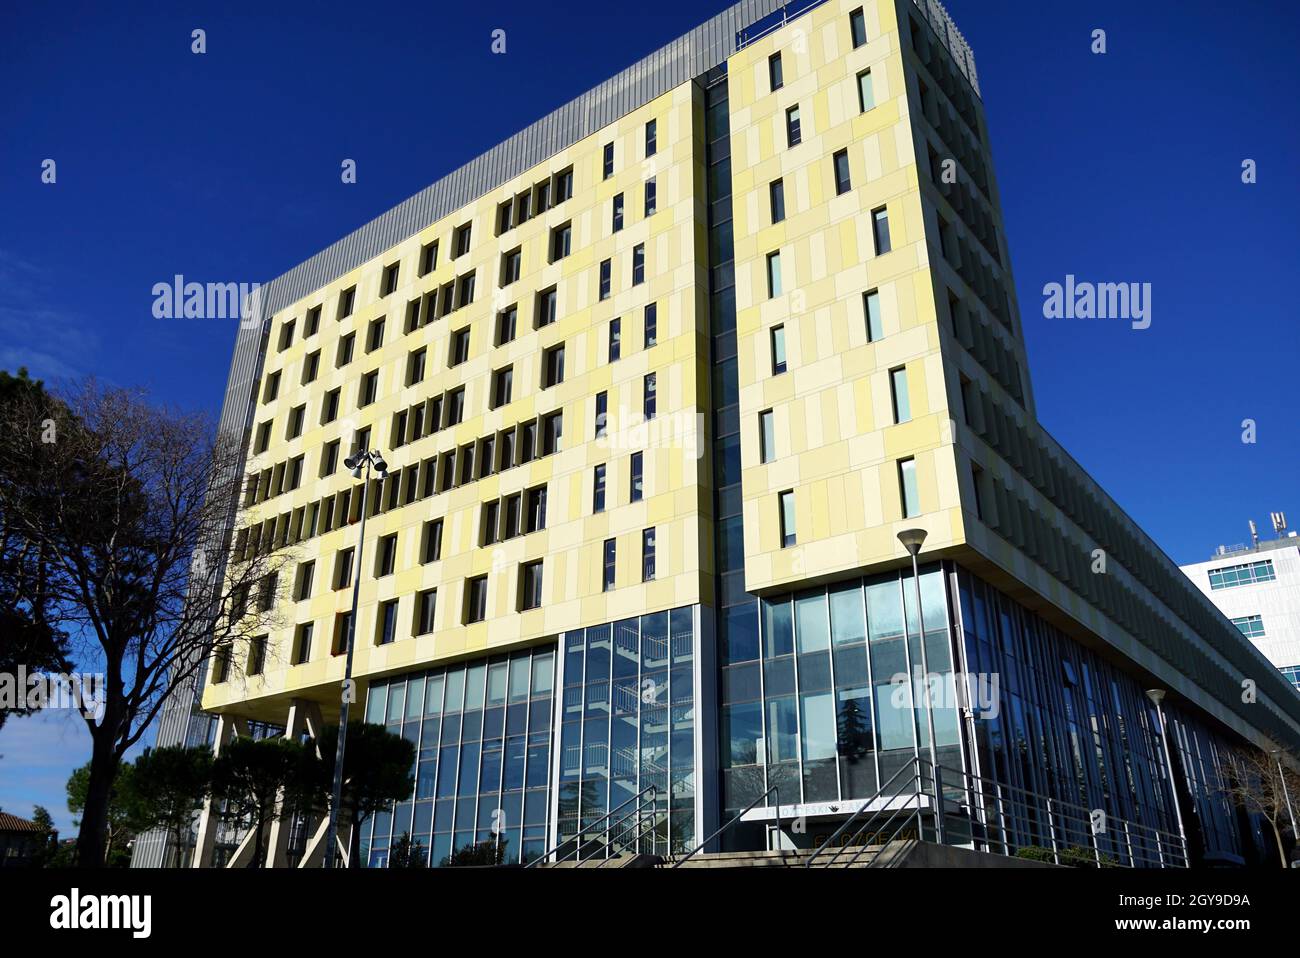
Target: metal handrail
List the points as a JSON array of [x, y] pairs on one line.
[[909, 812], [1028, 808], [772, 790], [638, 833], [913, 765], [653, 790]]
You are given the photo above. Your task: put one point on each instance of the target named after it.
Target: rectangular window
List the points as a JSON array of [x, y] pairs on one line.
[[256, 655], [375, 334], [778, 350], [563, 185], [428, 258], [880, 230], [369, 388], [386, 560], [786, 502], [651, 324], [465, 289], [610, 561], [490, 522], [505, 216], [773, 274], [311, 367], [347, 299], [306, 575], [342, 633], [871, 312], [651, 138], [651, 197], [544, 315], [294, 426], [608, 168], [602, 412], [459, 347], [387, 630], [343, 569], [502, 386], [476, 599], [618, 213], [1234, 575], [911, 498], [553, 366], [511, 263], [766, 436], [866, 95], [535, 516], [302, 643], [842, 181], [431, 544], [426, 603], [506, 322], [1251, 626], [606, 272], [462, 239], [615, 339], [329, 410], [456, 406], [561, 241], [312, 324], [390, 278], [977, 484], [637, 491], [530, 586], [858, 28], [775, 79], [898, 393], [552, 429], [286, 335], [793, 133], [649, 398], [638, 264], [514, 505], [776, 200], [598, 489], [647, 554], [415, 363], [329, 462], [346, 345], [272, 389]]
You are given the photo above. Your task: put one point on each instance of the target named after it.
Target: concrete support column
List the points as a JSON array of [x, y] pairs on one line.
[[228, 726], [304, 717]]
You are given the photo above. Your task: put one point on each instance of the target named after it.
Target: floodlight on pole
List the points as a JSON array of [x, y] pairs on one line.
[[912, 540], [369, 460]]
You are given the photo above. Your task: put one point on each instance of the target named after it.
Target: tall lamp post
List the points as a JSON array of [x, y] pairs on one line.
[[1157, 697], [364, 461], [912, 540]]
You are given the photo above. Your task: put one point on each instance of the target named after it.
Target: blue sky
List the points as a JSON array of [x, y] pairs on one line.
[[1122, 167]]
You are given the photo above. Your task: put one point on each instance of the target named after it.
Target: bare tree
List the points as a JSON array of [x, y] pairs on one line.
[[1261, 784], [128, 505]]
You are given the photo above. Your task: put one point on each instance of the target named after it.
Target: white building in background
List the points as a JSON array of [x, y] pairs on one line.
[[1257, 586]]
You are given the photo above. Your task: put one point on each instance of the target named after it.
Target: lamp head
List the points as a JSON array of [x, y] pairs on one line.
[[1156, 696], [912, 539], [351, 463], [380, 465]]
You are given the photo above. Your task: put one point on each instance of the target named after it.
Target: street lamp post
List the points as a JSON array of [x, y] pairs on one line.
[[912, 540], [363, 460], [1157, 697]]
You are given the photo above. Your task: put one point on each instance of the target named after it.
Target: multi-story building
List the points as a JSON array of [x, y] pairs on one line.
[[659, 380], [1257, 586]]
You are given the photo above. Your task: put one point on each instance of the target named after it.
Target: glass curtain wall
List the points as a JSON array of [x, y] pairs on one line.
[[818, 702], [627, 722], [482, 732], [1071, 726]]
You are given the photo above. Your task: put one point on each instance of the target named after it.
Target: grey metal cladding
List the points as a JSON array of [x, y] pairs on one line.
[[678, 62]]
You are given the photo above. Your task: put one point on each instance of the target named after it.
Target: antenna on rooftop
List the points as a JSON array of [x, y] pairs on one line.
[[1279, 523]]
